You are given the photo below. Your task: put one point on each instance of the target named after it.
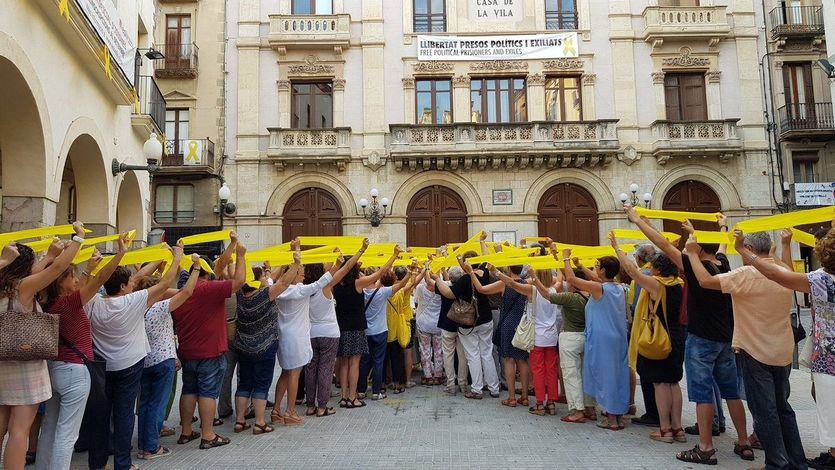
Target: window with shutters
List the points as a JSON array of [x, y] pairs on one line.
[[498, 100], [177, 41], [798, 91], [803, 166], [560, 14], [430, 16], [685, 96], [312, 105], [176, 130], [563, 99], [433, 101], [174, 203]]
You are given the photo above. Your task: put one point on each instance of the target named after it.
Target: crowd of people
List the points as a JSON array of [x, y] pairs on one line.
[[577, 338]]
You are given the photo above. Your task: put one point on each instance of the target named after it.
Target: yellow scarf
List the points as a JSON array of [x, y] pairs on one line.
[[643, 311]]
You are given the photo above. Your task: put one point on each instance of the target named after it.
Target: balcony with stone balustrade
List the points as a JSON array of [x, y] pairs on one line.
[[330, 146], [689, 139], [582, 144], [310, 32], [685, 24]]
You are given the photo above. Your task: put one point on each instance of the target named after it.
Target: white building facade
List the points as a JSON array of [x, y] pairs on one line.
[[328, 99]]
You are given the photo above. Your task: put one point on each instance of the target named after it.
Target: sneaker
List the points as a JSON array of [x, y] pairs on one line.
[[494, 394], [379, 396], [694, 430], [646, 421], [825, 461]]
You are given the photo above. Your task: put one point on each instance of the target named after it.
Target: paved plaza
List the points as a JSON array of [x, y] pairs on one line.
[[425, 428]]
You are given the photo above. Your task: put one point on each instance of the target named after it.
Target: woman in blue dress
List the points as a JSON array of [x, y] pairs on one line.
[[605, 369]]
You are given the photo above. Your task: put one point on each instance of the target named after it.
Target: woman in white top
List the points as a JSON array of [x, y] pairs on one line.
[[544, 358], [324, 335], [429, 335], [294, 350]]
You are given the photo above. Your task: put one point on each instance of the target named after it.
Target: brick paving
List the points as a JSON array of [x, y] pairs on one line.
[[425, 428]]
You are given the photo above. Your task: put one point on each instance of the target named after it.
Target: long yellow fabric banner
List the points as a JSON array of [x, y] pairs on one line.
[[43, 232], [677, 215], [802, 237], [787, 220]]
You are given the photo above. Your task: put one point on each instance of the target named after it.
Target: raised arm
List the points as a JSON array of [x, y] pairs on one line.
[[590, 275], [240, 267], [188, 289], [654, 237], [34, 283], [706, 280], [647, 282], [786, 248], [10, 253], [346, 267], [427, 277], [367, 281], [54, 250], [402, 283], [148, 270], [287, 277], [592, 287], [723, 227], [482, 240], [490, 289], [443, 289], [156, 292], [787, 279], [226, 257], [524, 289], [93, 284]]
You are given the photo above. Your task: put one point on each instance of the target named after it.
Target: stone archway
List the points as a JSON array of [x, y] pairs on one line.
[[435, 215], [24, 150], [311, 212], [84, 186], [129, 213], [568, 214]]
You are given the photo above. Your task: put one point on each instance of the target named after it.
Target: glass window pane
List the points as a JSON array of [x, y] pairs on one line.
[[443, 113], [437, 7], [423, 85], [183, 125], [185, 21], [475, 105], [324, 111], [302, 7], [491, 106], [164, 203], [520, 106], [505, 106], [443, 85], [421, 6], [550, 5], [185, 203], [173, 21], [424, 108], [567, 6], [573, 108], [810, 172], [324, 7]]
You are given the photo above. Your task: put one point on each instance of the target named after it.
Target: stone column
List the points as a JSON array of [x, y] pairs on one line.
[[461, 99], [714, 94], [249, 45], [660, 96], [622, 37], [589, 113], [284, 109], [409, 100], [373, 69], [338, 102], [536, 97]]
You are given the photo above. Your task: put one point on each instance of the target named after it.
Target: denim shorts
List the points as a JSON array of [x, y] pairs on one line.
[[707, 362], [255, 374], [203, 377]]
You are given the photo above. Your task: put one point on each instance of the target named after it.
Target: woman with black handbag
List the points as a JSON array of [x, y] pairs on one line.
[[69, 375], [27, 338]]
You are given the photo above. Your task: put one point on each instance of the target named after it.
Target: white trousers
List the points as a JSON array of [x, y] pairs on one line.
[[478, 345], [450, 345], [825, 404], [571, 363]]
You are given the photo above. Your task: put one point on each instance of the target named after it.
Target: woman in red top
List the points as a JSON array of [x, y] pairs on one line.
[[66, 297]]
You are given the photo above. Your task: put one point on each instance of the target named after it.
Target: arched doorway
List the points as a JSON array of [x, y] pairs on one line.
[[311, 212], [84, 192], [23, 153], [691, 196], [568, 214], [435, 215], [129, 214]]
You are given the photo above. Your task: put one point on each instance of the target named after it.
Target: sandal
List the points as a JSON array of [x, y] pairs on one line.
[[551, 408], [524, 401], [311, 410], [217, 422], [397, 390], [744, 452], [216, 442], [473, 396], [329, 411], [262, 429], [343, 403], [241, 427], [167, 431], [276, 417], [538, 410], [590, 416], [754, 442], [570, 419], [605, 424], [162, 452], [662, 436], [679, 435], [510, 402], [632, 411], [299, 401], [696, 455], [186, 439], [293, 420], [357, 403]]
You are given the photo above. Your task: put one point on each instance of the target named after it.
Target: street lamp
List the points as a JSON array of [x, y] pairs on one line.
[[152, 150], [633, 198], [375, 215], [226, 207]]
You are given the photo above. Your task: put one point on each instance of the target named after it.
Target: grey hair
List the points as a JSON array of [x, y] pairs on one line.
[[760, 242], [644, 253], [455, 273]]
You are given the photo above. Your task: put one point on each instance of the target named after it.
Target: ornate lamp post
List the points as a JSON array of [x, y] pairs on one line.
[[633, 198], [375, 214]]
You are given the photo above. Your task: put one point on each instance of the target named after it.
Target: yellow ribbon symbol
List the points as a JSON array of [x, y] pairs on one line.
[[107, 70], [64, 9], [568, 48], [192, 152]]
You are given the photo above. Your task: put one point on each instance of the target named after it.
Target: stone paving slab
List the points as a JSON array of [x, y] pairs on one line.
[[425, 428]]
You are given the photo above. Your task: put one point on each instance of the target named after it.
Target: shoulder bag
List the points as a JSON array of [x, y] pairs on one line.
[[464, 313], [525, 335], [28, 336]]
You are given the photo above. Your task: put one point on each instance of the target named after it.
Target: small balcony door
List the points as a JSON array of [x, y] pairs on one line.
[[799, 94], [176, 131], [177, 41]]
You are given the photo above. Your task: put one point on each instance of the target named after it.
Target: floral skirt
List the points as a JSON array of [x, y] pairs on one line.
[[352, 343]]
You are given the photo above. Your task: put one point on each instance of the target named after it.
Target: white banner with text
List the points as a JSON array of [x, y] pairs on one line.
[[507, 47], [814, 194]]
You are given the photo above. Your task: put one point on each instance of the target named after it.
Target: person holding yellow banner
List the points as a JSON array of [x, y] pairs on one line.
[[26, 383]]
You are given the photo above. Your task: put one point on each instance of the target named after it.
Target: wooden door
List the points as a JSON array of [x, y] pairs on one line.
[[177, 41], [799, 94], [568, 214], [435, 216], [311, 212], [691, 196], [685, 97]]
